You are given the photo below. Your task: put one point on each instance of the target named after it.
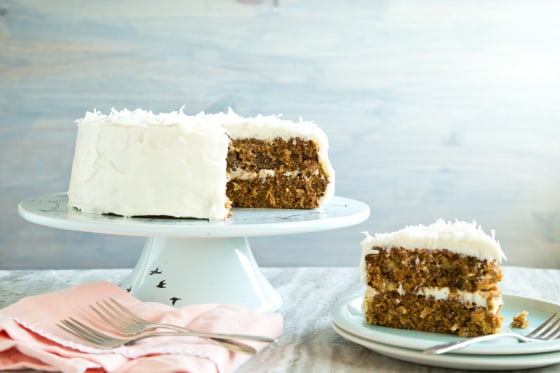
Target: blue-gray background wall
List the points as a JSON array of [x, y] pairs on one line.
[[433, 108]]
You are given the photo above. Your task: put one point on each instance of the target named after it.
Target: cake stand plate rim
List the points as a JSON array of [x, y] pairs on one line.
[[52, 210]]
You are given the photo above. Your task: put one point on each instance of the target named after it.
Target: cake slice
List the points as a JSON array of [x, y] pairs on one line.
[[440, 278]]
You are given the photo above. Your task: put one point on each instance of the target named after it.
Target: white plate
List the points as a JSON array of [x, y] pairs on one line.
[[347, 315], [473, 362]]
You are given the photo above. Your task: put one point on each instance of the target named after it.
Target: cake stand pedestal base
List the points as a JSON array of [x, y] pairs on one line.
[[181, 271]]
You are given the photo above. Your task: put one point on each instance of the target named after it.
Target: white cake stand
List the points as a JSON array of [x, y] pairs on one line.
[[188, 261]]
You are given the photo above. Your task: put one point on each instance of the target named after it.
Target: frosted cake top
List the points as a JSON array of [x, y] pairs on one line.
[[459, 237], [260, 126]]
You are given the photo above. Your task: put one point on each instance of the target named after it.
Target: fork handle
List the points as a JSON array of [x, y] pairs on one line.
[[455, 345], [227, 343], [248, 337]]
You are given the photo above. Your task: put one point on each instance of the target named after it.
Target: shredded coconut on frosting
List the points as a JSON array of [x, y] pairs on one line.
[[459, 237]]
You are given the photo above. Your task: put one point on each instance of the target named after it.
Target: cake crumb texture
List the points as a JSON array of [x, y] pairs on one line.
[[417, 312], [520, 320], [437, 291], [277, 174], [434, 268]]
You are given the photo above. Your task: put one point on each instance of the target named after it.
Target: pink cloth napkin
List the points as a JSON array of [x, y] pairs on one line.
[[29, 337]]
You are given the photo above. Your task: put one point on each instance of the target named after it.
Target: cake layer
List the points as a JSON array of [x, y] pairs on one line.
[[428, 314], [417, 268], [275, 192], [276, 154]]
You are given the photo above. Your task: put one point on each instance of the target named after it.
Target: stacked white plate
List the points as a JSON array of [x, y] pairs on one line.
[[348, 321]]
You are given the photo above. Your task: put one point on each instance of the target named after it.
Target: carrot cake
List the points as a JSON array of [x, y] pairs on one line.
[[440, 278], [136, 163]]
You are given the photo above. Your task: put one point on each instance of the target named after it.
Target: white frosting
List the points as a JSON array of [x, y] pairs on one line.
[[241, 174], [459, 237], [123, 161], [479, 298]]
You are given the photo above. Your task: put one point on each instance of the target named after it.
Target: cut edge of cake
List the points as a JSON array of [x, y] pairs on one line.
[[293, 173]]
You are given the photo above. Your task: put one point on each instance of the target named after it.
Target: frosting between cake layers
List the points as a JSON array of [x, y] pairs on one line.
[[459, 237], [241, 174], [479, 298]]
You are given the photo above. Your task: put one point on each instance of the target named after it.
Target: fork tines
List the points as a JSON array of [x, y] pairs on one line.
[[550, 329], [81, 330], [113, 314]]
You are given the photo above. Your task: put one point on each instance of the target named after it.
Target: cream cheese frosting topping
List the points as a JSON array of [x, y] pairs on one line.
[[459, 237], [115, 170]]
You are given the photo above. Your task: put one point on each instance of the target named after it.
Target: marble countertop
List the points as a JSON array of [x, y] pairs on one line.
[[309, 344]]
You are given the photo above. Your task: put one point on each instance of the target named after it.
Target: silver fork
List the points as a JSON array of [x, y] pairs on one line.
[[97, 339], [548, 330], [128, 323]]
